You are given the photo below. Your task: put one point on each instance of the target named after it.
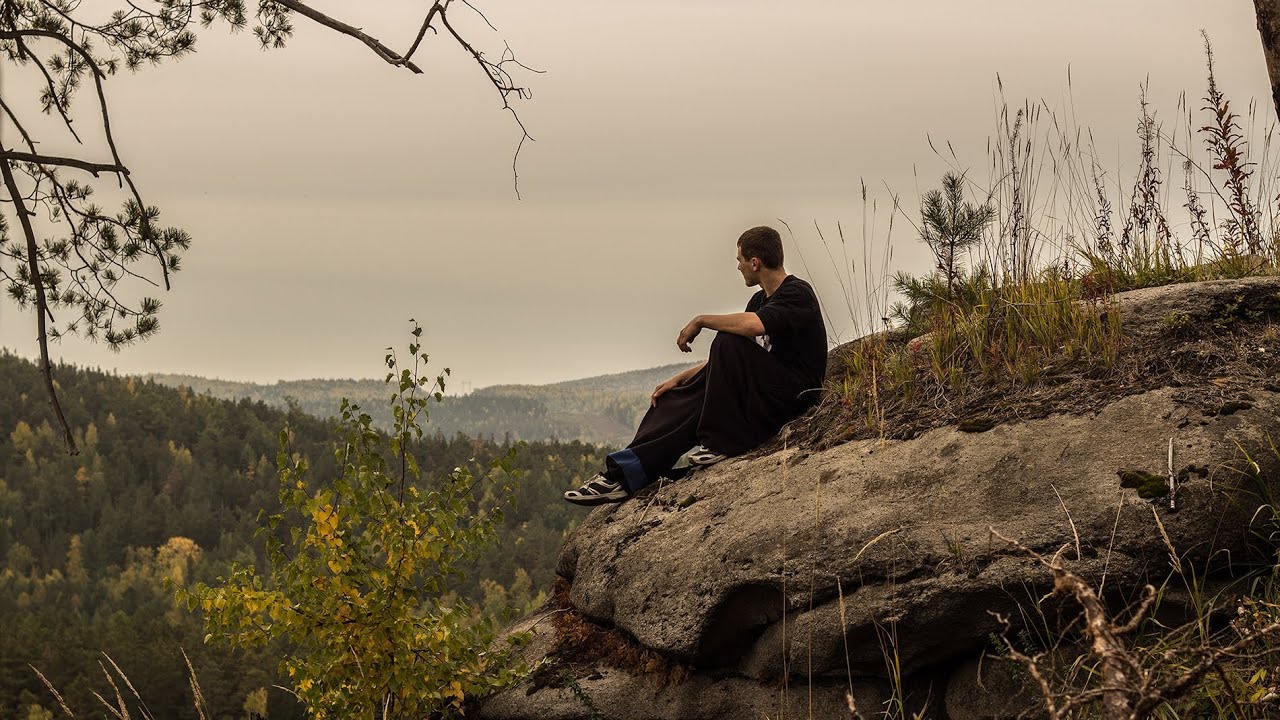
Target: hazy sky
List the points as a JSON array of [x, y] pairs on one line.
[[332, 197]]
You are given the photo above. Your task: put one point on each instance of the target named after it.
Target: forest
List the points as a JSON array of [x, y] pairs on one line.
[[169, 483], [602, 409]]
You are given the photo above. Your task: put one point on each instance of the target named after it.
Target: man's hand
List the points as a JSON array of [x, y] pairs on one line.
[[688, 333], [662, 387]]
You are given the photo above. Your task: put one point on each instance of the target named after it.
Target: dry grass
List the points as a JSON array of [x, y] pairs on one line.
[[1029, 326]]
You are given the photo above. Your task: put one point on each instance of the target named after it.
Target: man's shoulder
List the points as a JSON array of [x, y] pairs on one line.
[[800, 286]]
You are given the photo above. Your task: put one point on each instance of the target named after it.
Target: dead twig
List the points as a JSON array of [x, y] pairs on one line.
[[1132, 685]]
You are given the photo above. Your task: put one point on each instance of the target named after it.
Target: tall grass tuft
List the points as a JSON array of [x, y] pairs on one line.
[[1025, 274]]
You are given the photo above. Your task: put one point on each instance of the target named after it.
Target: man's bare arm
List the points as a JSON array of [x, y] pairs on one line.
[[746, 324]]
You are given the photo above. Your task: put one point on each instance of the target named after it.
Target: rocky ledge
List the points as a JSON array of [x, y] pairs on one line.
[[782, 583]]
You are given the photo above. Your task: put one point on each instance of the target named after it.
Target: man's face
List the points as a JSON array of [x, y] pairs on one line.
[[750, 269]]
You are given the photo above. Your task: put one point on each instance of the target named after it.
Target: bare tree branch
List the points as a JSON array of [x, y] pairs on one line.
[[89, 167], [54, 96], [1180, 685], [46, 369], [26, 137], [436, 7], [1131, 689], [376, 45]]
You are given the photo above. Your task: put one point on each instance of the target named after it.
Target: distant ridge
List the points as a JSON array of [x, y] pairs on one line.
[[603, 409]]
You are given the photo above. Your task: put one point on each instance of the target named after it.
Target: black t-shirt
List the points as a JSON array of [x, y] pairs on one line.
[[793, 329]]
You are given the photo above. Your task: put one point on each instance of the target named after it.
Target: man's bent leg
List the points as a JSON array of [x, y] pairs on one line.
[[749, 397], [667, 431]]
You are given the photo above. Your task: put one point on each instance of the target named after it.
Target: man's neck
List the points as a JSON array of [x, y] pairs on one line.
[[771, 279]]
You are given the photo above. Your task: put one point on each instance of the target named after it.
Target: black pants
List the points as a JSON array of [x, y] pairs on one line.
[[740, 399]]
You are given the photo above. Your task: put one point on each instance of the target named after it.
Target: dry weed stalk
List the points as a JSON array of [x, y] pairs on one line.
[[1133, 685], [119, 709], [853, 707], [1145, 211], [1227, 145]]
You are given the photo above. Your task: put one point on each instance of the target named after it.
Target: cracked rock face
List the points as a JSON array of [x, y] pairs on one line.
[[704, 568], [808, 565]]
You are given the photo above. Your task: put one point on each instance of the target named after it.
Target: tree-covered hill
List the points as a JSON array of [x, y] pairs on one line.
[[602, 410], [169, 483]]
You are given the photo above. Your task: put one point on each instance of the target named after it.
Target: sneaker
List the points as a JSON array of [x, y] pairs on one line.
[[597, 491], [702, 455]]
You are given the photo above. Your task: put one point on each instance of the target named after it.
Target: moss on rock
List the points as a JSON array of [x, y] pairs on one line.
[[1147, 484]]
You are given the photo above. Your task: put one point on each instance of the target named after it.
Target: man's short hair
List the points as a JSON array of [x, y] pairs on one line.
[[764, 243]]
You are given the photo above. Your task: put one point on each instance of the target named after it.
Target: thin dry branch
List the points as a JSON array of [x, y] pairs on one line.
[[90, 167], [1130, 689], [1032, 664], [55, 98], [436, 8], [1187, 680], [373, 43], [42, 304], [26, 137]]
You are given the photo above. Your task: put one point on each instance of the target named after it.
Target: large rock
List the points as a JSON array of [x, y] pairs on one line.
[[704, 569], [825, 565]]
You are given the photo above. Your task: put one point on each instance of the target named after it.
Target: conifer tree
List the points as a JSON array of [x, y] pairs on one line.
[[951, 226]]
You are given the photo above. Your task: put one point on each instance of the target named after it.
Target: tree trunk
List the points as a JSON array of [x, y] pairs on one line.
[[1269, 28]]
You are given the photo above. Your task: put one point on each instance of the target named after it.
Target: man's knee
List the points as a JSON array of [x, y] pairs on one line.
[[729, 342]]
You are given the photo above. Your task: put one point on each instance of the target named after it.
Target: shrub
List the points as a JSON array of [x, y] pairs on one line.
[[361, 568]]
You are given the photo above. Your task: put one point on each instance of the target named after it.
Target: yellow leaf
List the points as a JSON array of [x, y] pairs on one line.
[[335, 567], [455, 690]]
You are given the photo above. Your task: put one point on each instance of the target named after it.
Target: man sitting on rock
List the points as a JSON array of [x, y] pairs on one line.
[[765, 367]]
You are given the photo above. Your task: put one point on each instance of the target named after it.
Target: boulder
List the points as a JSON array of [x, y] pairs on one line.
[[882, 562], [849, 541]]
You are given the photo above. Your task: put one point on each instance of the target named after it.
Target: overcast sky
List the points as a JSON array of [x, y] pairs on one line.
[[332, 197]]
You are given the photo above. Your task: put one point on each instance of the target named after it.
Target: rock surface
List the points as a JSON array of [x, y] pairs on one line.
[[818, 565]]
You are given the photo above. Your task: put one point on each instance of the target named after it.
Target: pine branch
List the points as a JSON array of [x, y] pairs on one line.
[[42, 303], [89, 167]]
